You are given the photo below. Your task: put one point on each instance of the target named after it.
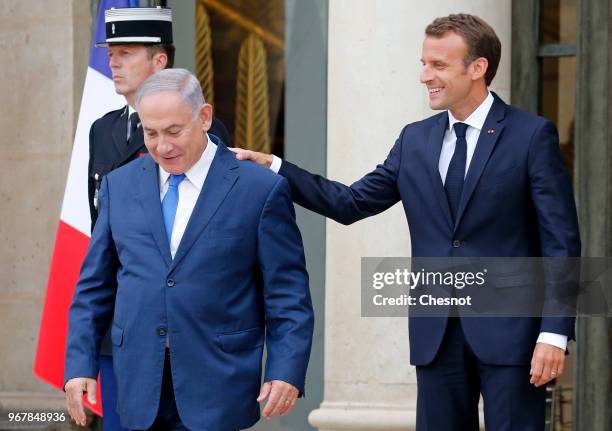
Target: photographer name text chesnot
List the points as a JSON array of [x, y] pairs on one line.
[[427, 300]]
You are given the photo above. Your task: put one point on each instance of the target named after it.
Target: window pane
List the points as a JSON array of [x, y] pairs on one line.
[[248, 66], [558, 21], [558, 100]]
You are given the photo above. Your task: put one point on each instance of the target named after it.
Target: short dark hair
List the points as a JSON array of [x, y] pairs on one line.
[[166, 48], [478, 35]]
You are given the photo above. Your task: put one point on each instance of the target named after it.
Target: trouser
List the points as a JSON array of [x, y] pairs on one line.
[[167, 413], [449, 390]]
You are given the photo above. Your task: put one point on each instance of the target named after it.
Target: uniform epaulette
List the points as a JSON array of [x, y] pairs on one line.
[[113, 112]]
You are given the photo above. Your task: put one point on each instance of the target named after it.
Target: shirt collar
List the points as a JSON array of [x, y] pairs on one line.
[[476, 118], [197, 173], [130, 110]]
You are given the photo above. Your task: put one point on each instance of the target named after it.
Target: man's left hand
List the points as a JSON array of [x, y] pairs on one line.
[[281, 396], [546, 364]]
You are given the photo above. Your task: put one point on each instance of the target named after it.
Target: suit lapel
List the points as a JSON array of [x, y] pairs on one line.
[[133, 146], [434, 147], [221, 177], [120, 132], [151, 205], [489, 135]]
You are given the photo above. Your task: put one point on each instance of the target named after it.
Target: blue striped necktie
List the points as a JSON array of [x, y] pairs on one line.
[[456, 170], [170, 202]]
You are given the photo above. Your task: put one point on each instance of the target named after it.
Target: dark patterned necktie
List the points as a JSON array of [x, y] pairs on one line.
[[456, 170], [134, 122]]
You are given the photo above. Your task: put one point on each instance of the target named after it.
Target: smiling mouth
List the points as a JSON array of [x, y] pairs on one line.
[[435, 90]]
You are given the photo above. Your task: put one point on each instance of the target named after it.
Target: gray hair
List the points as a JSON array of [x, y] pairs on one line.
[[179, 80]]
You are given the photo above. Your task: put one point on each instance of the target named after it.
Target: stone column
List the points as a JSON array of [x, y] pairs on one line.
[[592, 371], [45, 46], [373, 91]]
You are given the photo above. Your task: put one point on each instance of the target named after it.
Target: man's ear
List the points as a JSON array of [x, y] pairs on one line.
[[206, 116], [479, 68], [160, 60]]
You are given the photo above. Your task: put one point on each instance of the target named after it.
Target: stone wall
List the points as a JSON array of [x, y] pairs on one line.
[[45, 47]]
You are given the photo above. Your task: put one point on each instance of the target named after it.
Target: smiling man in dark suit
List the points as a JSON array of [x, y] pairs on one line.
[[481, 179], [196, 260]]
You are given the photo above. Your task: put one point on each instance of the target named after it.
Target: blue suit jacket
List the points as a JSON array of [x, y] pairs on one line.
[[238, 278], [517, 201]]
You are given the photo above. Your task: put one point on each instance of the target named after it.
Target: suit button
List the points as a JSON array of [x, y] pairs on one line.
[[162, 332], [170, 282], [456, 243]]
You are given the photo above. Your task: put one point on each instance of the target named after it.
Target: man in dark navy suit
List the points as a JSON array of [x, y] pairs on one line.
[[481, 179], [140, 43]]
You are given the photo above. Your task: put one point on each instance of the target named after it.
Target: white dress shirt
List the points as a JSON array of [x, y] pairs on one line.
[[188, 191], [475, 123]]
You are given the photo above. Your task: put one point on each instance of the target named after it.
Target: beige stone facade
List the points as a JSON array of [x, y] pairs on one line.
[[45, 49]]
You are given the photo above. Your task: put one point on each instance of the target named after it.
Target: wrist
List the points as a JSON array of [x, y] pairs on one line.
[[268, 158]]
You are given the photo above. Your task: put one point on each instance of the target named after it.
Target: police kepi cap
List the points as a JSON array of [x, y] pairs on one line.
[[137, 25]]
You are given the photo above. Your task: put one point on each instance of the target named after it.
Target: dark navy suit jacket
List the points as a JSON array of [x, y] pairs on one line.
[[517, 201], [238, 279]]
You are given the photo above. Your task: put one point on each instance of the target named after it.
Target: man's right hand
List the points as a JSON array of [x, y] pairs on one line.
[[75, 388], [259, 158]]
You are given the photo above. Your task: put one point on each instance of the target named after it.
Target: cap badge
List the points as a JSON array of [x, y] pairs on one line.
[[113, 29]]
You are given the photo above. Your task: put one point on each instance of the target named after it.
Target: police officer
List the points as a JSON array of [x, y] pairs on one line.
[[139, 42]]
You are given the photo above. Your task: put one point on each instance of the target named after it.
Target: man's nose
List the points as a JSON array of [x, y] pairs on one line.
[[113, 62], [425, 75], [163, 146]]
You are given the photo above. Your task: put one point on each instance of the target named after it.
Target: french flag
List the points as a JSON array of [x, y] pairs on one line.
[[73, 232]]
